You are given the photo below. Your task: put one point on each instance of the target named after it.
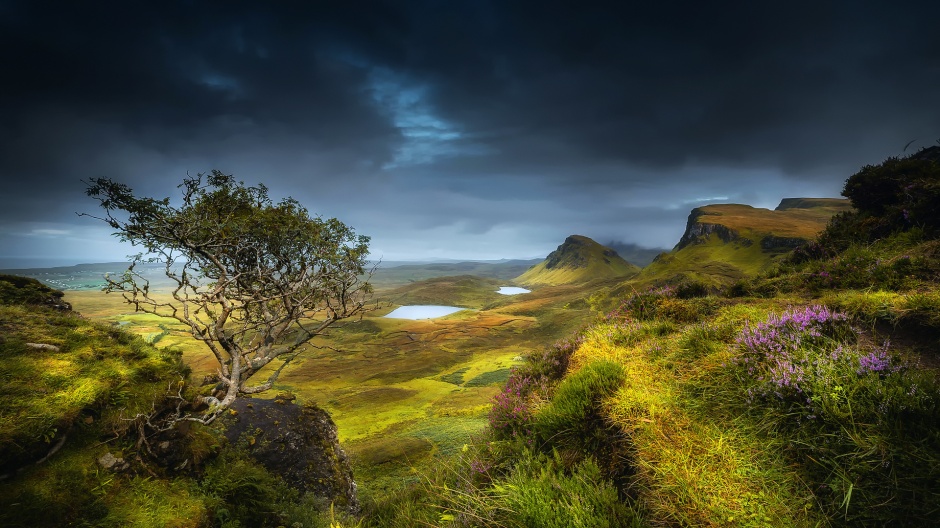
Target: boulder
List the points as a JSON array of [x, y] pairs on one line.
[[297, 442], [110, 462]]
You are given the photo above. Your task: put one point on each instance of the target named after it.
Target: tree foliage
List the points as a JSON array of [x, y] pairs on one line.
[[894, 196], [253, 279]]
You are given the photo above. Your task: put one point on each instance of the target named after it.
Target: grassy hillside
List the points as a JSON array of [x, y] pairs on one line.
[[394, 275], [807, 396], [424, 385], [466, 291], [67, 390], [729, 242], [578, 259], [72, 393]]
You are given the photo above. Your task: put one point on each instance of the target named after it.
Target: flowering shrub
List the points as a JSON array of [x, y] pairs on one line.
[[552, 363], [511, 415], [810, 357], [572, 417]]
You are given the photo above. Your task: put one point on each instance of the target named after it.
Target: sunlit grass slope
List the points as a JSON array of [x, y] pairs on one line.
[[578, 259], [67, 387], [708, 411], [729, 242]]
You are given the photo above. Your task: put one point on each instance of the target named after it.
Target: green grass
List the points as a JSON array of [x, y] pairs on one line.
[[714, 262], [78, 396], [493, 377], [46, 391]]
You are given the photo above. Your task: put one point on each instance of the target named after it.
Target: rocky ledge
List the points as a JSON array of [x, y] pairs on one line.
[[697, 232]]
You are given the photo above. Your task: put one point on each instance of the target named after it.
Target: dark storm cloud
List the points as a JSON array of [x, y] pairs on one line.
[[441, 126], [789, 84]]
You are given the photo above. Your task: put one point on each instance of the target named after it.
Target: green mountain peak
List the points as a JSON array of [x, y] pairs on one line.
[[578, 259]]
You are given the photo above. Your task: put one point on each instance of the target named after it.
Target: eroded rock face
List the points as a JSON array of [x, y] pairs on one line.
[[567, 254], [775, 243], [299, 443], [697, 232]]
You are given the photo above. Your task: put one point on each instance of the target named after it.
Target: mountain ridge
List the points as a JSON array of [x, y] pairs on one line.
[[723, 243]]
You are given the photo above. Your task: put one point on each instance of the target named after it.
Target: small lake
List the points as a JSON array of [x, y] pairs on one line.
[[511, 290], [422, 311]]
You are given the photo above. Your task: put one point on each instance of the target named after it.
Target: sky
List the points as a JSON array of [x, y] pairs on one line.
[[450, 129]]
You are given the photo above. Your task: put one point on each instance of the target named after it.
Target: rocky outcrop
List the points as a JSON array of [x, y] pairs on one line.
[[775, 243], [569, 254], [697, 232], [297, 442], [575, 253]]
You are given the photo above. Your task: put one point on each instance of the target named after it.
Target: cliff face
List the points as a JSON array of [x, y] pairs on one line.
[[794, 221], [727, 242], [697, 232]]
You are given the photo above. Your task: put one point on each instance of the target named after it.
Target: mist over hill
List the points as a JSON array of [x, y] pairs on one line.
[[634, 253]]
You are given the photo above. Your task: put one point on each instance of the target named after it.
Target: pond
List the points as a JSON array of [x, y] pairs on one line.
[[511, 290], [422, 311]]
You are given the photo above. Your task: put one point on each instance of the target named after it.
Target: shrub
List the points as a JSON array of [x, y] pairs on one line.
[[510, 415], [902, 190], [541, 493], [540, 490], [572, 418], [898, 195], [861, 419], [552, 363], [641, 305], [691, 289], [685, 303], [240, 490]]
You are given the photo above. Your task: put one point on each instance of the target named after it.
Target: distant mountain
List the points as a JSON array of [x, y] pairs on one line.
[[641, 256], [727, 242], [579, 259]]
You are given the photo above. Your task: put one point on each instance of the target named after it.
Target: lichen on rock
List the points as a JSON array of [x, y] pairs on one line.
[[297, 442]]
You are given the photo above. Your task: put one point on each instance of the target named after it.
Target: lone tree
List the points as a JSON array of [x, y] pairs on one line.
[[252, 279]]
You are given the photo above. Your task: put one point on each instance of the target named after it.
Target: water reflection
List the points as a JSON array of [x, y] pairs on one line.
[[422, 311]]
